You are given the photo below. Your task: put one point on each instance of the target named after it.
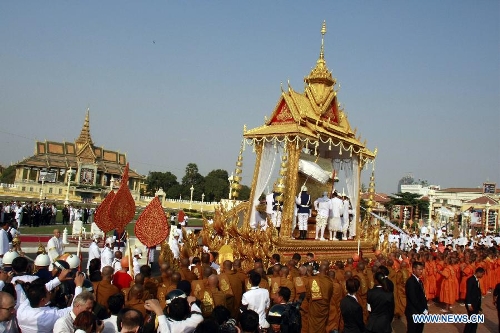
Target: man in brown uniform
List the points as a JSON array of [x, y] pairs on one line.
[[334, 315], [400, 290], [104, 289], [363, 289], [198, 286], [287, 281], [185, 272], [319, 293], [232, 286], [135, 301], [239, 271]]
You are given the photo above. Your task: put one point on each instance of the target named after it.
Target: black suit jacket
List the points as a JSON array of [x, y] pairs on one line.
[[382, 310], [416, 303], [473, 294], [352, 314]]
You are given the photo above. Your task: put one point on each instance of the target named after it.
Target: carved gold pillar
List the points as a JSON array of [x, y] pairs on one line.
[[258, 155], [360, 228], [291, 189]]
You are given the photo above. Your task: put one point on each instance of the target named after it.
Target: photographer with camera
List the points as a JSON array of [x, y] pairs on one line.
[[183, 313], [34, 314]]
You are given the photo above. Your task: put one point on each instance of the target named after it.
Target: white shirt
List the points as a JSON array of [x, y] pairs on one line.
[[345, 212], [337, 207], [21, 296], [64, 324], [110, 325], [93, 253], [4, 242], [40, 320], [136, 265], [54, 248], [106, 257], [323, 205], [269, 203], [188, 325], [174, 247], [258, 300]]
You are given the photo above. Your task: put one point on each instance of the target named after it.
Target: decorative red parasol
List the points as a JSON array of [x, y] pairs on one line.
[[180, 216], [152, 227], [122, 209], [102, 214]]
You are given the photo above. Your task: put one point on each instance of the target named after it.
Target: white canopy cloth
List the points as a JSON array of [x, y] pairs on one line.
[[313, 171]]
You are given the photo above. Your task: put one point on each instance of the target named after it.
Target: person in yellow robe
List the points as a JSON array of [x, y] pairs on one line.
[[319, 293], [447, 294], [400, 290]]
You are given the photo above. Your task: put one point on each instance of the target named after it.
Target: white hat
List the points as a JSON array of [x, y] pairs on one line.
[[138, 252], [303, 188], [175, 233], [73, 261], [110, 240], [42, 260], [95, 237], [9, 257]]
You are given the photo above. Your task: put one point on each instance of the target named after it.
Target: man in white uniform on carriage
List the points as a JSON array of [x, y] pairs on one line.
[[335, 221], [323, 206]]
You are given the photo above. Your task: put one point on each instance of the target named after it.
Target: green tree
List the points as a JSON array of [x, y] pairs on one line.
[[244, 193], [407, 199], [8, 175], [157, 180], [216, 185], [196, 180]]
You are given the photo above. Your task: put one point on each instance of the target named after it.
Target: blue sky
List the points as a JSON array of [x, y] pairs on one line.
[[173, 82]]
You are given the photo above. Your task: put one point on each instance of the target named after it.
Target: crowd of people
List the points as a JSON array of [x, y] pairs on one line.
[[35, 214], [115, 293]]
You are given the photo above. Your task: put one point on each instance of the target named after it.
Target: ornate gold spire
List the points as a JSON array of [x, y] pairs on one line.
[[85, 133], [321, 74]]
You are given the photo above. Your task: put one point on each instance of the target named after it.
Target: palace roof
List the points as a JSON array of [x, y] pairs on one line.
[[63, 155], [314, 115]]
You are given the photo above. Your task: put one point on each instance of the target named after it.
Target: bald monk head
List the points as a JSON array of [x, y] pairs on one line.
[[276, 270], [139, 278], [257, 264], [303, 270], [390, 263], [259, 271], [323, 269], [350, 261], [310, 270], [290, 264], [136, 292], [176, 277], [184, 262], [228, 265], [331, 274], [339, 264], [237, 264], [213, 281], [205, 258], [404, 264], [361, 266], [347, 275], [207, 271], [284, 271], [107, 273]]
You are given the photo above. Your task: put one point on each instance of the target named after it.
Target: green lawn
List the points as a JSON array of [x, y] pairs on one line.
[[48, 229]]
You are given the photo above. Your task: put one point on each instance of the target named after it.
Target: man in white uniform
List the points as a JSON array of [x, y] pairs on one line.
[[323, 206], [174, 244], [303, 203], [94, 251], [4, 240], [107, 253], [334, 222], [137, 256], [55, 247]]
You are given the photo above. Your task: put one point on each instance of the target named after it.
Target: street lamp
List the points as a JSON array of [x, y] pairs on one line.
[[431, 201], [231, 181], [405, 211], [496, 221], [41, 190], [191, 201], [486, 218], [70, 172]]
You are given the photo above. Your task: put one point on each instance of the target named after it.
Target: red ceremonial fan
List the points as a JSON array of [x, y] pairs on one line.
[[180, 216], [101, 215], [151, 227], [122, 209]]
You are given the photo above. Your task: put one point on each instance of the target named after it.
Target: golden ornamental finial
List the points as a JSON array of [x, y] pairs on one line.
[[323, 32]]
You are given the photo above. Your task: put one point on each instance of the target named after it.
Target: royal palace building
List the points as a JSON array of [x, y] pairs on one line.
[[78, 171]]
